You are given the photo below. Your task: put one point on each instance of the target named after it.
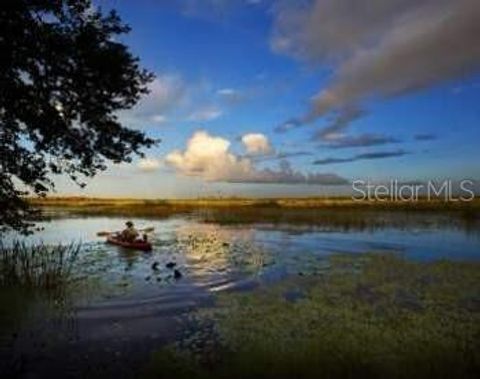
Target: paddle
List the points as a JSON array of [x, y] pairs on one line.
[[145, 230]]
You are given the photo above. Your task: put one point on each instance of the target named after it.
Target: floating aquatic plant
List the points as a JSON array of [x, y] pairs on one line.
[[377, 316]]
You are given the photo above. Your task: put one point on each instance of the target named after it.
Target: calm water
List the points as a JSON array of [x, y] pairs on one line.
[[135, 304]]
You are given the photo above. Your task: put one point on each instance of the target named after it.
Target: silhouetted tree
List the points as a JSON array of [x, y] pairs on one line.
[[63, 77]]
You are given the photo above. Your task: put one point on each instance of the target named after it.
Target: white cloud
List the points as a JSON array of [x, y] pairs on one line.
[[227, 92], [208, 157], [159, 118], [172, 98], [256, 144], [232, 96], [166, 91], [149, 164], [207, 113]]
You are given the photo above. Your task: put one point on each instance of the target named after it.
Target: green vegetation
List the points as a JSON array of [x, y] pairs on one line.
[[81, 49], [36, 266], [34, 288], [109, 204], [376, 316], [334, 212]]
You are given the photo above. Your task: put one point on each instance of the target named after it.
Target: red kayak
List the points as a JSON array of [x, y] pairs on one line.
[[137, 245]]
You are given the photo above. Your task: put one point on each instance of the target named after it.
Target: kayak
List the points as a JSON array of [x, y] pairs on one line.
[[137, 245]]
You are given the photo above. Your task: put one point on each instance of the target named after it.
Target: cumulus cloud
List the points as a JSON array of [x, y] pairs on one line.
[[256, 144], [365, 156], [287, 175], [377, 48], [149, 164], [209, 157]]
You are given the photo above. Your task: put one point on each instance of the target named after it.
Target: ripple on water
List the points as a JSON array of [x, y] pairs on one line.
[[133, 296]]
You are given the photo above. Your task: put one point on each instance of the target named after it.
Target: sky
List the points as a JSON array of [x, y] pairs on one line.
[[288, 98]]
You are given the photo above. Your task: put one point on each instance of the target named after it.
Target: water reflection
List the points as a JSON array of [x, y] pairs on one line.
[[210, 249], [129, 297], [128, 256], [206, 251]]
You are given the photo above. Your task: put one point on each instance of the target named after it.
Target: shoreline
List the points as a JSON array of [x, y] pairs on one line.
[[342, 212], [274, 202]]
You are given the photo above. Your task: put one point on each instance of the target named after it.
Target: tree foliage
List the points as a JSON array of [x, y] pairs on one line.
[[64, 76]]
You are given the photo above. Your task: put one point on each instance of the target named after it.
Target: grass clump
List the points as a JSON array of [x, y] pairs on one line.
[[369, 316], [36, 266]]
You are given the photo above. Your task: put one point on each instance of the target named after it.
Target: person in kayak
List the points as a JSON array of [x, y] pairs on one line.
[[129, 234]]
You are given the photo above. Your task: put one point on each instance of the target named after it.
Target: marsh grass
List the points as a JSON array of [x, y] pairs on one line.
[[36, 307], [339, 213], [35, 302], [375, 316], [36, 266], [164, 207]]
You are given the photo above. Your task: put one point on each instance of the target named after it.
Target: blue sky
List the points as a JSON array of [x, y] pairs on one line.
[[230, 69]]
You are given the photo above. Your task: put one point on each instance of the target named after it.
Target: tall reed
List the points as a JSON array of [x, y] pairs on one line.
[[36, 266]]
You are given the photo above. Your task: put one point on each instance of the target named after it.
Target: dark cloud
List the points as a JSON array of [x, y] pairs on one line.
[[378, 48], [360, 157], [285, 174], [293, 123], [381, 154], [293, 154], [280, 155], [362, 140], [341, 121], [333, 161], [425, 137]]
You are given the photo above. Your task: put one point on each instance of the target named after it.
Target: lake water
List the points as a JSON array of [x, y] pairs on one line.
[[135, 304]]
